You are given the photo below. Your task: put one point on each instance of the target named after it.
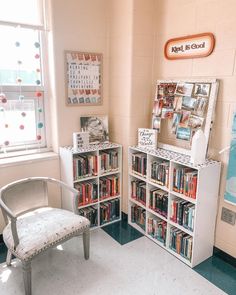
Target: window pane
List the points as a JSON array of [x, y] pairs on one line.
[[22, 11], [19, 56], [21, 121]]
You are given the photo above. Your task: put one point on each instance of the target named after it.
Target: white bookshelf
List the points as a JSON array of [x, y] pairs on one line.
[[208, 176], [67, 156]]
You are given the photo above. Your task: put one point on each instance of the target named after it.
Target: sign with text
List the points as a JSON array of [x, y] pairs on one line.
[[200, 45], [147, 138]]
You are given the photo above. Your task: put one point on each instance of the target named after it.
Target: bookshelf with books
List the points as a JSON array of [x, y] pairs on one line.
[[173, 202], [96, 172]]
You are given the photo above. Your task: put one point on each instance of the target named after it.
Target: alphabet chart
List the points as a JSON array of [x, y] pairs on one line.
[[84, 76]]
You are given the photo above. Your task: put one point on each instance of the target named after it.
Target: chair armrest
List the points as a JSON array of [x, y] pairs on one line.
[[8, 213]]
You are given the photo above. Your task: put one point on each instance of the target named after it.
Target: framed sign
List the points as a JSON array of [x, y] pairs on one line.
[[183, 107], [147, 138], [193, 46], [83, 78]]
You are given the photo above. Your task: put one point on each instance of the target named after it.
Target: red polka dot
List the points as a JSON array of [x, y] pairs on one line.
[[37, 56], [38, 94], [22, 127], [39, 137]]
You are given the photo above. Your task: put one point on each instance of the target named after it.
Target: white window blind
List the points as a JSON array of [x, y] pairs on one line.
[[29, 12]]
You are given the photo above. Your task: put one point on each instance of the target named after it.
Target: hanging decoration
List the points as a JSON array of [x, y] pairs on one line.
[[19, 80]]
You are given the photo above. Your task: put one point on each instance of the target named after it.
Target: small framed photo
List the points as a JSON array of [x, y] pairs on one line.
[[184, 89], [156, 123], [202, 89], [200, 106], [183, 133], [185, 118], [97, 127], [167, 113], [177, 104], [175, 122], [195, 122], [157, 107], [188, 103]]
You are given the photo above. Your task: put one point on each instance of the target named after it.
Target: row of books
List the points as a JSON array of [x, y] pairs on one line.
[[158, 201], [138, 216], [181, 243], [183, 212], [138, 191], [87, 192], [109, 186], [108, 161], [84, 166], [157, 229], [91, 213], [160, 172], [139, 163], [109, 211], [185, 181]]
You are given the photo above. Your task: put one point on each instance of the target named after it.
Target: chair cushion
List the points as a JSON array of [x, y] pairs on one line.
[[41, 229]]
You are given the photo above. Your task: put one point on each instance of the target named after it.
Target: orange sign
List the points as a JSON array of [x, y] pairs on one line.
[[200, 45]]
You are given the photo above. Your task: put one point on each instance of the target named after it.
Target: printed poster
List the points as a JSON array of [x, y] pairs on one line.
[[230, 191]]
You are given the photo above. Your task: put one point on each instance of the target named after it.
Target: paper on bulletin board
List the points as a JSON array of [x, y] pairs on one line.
[[230, 191]]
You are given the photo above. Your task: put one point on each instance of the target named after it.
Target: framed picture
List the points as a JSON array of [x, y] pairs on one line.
[[83, 78], [186, 106], [97, 127]]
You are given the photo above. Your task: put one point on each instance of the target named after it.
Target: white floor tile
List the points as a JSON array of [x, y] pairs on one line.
[[139, 267]]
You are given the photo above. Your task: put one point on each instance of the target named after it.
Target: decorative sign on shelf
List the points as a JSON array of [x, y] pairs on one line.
[[230, 191], [80, 139], [84, 78], [147, 138], [193, 46]]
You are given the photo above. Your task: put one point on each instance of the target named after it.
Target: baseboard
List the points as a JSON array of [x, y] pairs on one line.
[[224, 256], [1, 238]]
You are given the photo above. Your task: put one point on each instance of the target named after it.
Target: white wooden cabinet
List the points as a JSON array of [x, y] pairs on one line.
[[104, 175], [141, 215]]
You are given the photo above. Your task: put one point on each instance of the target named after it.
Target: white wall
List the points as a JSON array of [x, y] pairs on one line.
[[179, 18]]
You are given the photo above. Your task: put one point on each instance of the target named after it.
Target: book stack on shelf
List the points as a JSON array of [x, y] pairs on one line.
[[95, 171], [173, 202]]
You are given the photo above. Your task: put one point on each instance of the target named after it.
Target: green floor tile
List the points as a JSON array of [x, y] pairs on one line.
[[122, 232], [219, 273]]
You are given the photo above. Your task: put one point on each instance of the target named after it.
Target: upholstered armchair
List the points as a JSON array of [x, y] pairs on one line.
[[32, 226]]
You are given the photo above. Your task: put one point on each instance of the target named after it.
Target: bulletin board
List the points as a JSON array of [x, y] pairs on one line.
[[83, 78], [180, 108]]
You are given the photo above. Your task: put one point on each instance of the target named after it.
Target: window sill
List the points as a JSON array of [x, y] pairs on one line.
[[26, 159]]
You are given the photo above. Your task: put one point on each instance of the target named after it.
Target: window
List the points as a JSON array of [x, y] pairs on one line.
[[22, 89]]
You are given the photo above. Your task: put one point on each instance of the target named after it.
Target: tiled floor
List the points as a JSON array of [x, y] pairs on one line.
[[139, 267]]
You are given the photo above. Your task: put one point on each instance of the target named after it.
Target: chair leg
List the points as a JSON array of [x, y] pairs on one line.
[[9, 256], [86, 242], [27, 277]]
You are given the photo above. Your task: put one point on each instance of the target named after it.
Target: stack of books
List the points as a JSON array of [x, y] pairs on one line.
[[108, 161], [181, 243], [158, 201], [185, 181], [182, 212], [160, 172], [138, 191], [139, 164], [138, 216], [84, 166], [157, 229], [109, 211], [109, 187], [87, 192]]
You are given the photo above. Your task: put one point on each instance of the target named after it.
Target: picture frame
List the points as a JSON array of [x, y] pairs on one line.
[[96, 126], [195, 111], [83, 76]]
